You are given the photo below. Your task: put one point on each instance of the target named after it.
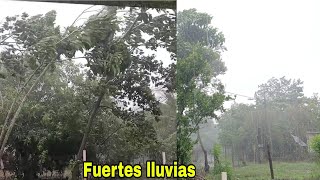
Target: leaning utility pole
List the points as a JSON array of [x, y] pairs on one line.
[[268, 123], [270, 162], [269, 141]]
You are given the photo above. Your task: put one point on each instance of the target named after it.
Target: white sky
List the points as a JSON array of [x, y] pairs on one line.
[[265, 39], [66, 13]]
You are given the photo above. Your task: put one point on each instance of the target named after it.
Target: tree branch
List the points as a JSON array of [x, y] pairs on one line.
[[6, 39], [13, 121], [1, 98], [84, 11], [4, 128]]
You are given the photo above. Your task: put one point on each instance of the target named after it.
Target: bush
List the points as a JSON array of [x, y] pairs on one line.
[[220, 166], [315, 144]]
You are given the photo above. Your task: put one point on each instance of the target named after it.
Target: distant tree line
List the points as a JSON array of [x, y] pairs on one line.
[[281, 116]]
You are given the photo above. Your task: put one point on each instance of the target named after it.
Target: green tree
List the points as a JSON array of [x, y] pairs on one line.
[[49, 126], [237, 131], [125, 75], [27, 50], [284, 113], [119, 77], [199, 63]]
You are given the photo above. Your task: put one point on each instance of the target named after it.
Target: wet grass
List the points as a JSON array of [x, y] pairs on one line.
[[282, 171]]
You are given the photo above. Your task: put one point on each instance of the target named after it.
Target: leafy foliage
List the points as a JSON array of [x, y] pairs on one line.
[[281, 112], [220, 166], [199, 64], [53, 120], [315, 144]]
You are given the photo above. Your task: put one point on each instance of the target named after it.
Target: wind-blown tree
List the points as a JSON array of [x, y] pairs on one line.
[[27, 50], [48, 129], [199, 63], [119, 75], [126, 75]]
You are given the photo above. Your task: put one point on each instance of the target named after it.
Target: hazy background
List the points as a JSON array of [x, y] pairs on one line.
[[266, 39]]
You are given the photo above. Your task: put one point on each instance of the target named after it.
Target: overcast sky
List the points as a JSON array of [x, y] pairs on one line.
[[265, 39], [66, 13]]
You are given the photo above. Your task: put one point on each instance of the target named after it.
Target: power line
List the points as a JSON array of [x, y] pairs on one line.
[[250, 98]]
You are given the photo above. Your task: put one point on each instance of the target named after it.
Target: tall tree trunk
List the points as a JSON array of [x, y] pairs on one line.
[[1, 99], [14, 119], [206, 164], [85, 136], [89, 125], [6, 121], [254, 153]]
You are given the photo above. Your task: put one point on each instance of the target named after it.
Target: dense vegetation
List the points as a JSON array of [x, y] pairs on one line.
[[52, 108], [200, 94], [282, 114], [280, 117]]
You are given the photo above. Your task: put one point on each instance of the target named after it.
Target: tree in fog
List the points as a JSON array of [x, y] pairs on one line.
[[281, 112], [200, 94]]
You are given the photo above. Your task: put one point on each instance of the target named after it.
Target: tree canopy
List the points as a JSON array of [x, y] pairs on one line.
[[200, 94], [282, 114], [53, 109]]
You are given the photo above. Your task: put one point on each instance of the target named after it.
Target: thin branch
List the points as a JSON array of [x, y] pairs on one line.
[[111, 134], [15, 117], [84, 11], [6, 39], [130, 29], [1, 98], [153, 19], [10, 42], [6, 121]]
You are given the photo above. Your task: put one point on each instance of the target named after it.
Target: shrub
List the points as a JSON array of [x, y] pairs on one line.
[[315, 144], [220, 166]]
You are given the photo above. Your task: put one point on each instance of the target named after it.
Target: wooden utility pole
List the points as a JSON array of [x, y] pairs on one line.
[[268, 123], [270, 161]]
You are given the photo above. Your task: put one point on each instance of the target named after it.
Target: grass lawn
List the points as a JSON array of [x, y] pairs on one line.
[[282, 170]]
